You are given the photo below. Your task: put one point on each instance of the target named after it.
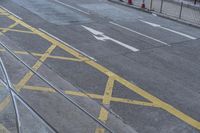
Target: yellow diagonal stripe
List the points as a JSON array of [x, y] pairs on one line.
[[103, 116], [4, 103], [35, 67], [3, 129], [50, 56], [93, 96], [8, 29]]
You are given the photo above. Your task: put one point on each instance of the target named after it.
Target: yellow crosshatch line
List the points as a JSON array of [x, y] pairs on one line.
[[103, 115], [106, 99], [93, 96], [6, 30], [5, 103], [3, 129], [35, 67], [4, 13], [39, 55], [15, 30], [99, 130], [156, 101]]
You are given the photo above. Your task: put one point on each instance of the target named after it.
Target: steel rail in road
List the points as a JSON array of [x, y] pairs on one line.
[[56, 89], [9, 85], [14, 94]]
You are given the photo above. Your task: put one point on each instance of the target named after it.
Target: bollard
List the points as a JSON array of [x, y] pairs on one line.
[[195, 2], [151, 4], [130, 2], [161, 6], [181, 10], [143, 4]]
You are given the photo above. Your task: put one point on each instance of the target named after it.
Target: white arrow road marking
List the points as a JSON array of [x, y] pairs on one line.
[[177, 32], [100, 36]]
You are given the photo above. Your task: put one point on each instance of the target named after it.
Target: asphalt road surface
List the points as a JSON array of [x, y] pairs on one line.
[[92, 66]]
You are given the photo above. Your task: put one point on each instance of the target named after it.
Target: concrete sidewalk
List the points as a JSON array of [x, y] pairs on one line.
[[189, 2], [172, 8]]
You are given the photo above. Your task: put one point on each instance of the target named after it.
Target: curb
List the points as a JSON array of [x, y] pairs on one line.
[[157, 13]]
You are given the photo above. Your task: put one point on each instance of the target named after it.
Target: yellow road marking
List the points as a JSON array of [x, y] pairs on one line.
[[103, 116], [29, 32], [184, 117], [165, 106], [7, 29], [3, 129], [4, 13], [108, 91], [4, 103], [93, 96], [38, 88], [134, 102], [35, 67], [64, 58], [99, 130], [50, 56]]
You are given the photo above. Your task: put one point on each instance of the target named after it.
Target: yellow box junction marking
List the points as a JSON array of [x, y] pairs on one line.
[[90, 95], [103, 115], [99, 130], [50, 56], [106, 99], [3, 129], [35, 67], [4, 103], [7, 29], [23, 31], [156, 101]]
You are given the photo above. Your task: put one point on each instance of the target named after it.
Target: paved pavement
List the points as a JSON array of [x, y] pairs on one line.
[[171, 8], [124, 70]]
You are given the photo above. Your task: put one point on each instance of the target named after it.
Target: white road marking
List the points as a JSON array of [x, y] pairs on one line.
[[67, 44], [71, 7], [176, 32], [154, 14], [139, 33], [11, 13], [100, 36]]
